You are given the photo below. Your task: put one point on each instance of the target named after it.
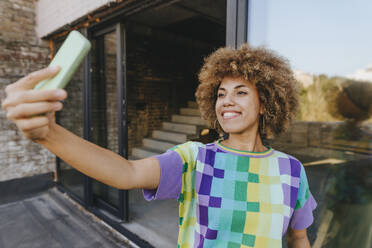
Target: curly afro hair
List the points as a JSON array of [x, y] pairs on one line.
[[277, 88]]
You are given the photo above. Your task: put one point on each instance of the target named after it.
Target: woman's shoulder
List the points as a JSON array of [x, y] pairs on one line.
[[189, 145], [188, 149], [288, 163], [281, 154]]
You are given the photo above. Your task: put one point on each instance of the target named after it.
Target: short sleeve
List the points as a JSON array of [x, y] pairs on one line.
[[172, 164], [303, 212]]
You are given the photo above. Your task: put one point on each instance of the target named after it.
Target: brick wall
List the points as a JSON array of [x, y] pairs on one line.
[[60, 13], [21, 52]]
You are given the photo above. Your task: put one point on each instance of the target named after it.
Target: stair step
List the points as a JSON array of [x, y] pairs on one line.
[[143, 152], [180, 128], [156, 144], [192, 104], [170, 136], [196, 120], [190, 111], [131, 157]]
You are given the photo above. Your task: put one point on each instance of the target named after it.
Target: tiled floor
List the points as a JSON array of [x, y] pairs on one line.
[[50, 220]]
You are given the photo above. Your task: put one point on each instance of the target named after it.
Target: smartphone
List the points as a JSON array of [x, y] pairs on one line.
[[68, 58]]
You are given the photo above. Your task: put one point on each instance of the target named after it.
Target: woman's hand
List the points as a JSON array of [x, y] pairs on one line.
[[33, 110]]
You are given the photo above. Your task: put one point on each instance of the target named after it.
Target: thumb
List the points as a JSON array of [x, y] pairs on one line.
[[32, 79]]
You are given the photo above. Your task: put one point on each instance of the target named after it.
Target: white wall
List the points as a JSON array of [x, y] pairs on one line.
[[54, 14]]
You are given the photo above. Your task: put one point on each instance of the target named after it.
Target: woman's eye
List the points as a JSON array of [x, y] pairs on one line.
[[220, 95], [242, 93]]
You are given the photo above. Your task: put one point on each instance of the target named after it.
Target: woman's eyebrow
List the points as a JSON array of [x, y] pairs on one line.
[[240, 86], [236, 87]]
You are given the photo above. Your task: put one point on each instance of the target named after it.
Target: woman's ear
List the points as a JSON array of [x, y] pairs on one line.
[[262, 109]]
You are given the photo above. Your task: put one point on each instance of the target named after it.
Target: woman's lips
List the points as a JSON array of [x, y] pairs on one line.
[[230, 115]]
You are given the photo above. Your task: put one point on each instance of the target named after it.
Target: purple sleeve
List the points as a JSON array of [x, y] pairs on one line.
[[170, 177], [303, 217]]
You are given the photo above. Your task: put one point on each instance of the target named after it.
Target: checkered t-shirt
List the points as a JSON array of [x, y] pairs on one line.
[[232, 198]]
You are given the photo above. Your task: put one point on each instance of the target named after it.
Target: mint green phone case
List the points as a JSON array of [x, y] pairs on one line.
[[68, 57]]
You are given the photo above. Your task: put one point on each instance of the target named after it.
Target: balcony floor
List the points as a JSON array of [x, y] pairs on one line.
[[49, 220]]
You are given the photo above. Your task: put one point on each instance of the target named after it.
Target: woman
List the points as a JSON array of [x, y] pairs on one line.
[[232, 193]]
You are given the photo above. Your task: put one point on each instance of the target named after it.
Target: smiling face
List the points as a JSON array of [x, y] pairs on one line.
[[238, 107]]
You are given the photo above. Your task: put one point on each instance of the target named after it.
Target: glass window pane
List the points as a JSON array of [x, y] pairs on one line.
[[104, 106], [328, 44]]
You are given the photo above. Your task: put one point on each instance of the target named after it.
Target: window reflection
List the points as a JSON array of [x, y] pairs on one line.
[[328, 47]]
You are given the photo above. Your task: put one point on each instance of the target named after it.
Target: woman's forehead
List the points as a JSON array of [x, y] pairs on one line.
[[234, 82]]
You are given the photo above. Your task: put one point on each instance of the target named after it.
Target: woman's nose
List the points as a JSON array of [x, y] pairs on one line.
[[228, 100]]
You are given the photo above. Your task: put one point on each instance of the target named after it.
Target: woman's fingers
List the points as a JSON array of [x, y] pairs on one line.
[[32, 123], [25, 106], [26, 110], [29, 96], [32, 79]]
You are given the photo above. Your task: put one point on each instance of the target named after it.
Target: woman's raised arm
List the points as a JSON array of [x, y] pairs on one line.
[[31, 110]]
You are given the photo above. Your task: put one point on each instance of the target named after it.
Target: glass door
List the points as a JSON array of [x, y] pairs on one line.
[[106, 123], [96, 111]]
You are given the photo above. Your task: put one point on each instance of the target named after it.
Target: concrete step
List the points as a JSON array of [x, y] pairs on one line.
[[180, 128], [131, 157], [190, 111], [143, 152], [170, 136], [156, 144], [196, 120], [192, 104]]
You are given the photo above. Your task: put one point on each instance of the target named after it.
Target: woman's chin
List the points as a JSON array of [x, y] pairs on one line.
[[233, 130]]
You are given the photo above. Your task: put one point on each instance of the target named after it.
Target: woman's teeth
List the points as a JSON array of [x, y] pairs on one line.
[[230, 114]]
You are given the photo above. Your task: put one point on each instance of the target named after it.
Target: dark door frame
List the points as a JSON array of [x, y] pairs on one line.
[[122, 211], [236, 22]]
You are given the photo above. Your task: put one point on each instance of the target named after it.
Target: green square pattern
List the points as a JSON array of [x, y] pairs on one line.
[[240, 191], [238, 221], [233, 245], [185, 167], [253, 206], [248, 239], [243, 164], [253, 178], [181, 198]]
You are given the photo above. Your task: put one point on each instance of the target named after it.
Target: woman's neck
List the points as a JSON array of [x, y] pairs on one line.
[[252, 143]]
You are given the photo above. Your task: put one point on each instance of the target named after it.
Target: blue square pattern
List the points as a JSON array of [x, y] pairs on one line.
[[227, 203], [225, 161], [225, 220], [214, 217], [230, 175], [217, 186], [241, 176], [220, 161], [240, 205], [228, 190]]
